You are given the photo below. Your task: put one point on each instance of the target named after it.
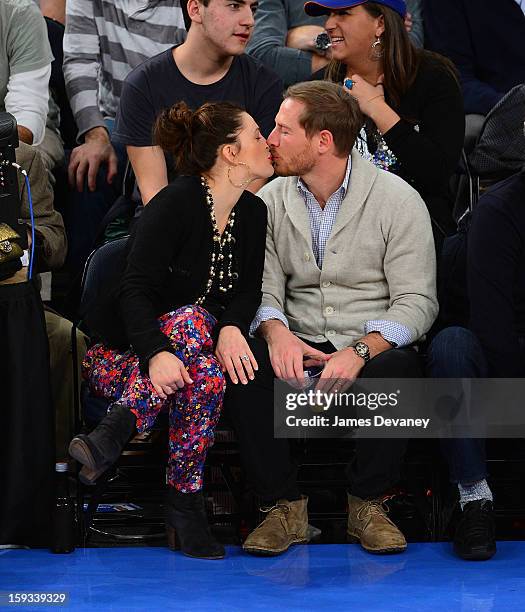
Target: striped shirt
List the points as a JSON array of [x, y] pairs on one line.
[[321, 223], [104, 40]]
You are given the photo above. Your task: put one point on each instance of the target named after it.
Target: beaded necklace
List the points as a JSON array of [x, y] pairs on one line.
[[221, 256]]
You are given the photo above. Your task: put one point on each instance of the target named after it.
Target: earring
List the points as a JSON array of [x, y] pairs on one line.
[[377, 50], [242, 184]]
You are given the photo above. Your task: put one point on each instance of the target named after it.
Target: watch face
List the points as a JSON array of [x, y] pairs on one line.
[[362, 349]]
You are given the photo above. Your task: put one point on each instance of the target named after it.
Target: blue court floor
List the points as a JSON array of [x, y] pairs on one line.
[[317, 577]]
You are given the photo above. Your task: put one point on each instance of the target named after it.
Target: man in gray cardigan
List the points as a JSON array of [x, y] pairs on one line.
[[349, 277]]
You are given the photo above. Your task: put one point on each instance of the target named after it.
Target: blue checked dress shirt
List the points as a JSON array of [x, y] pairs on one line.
[[321, 224]]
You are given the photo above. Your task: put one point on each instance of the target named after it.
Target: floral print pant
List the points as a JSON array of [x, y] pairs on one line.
[[194, 410]]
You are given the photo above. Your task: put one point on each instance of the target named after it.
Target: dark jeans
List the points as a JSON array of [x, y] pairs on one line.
[[270, 469], [456, 353]]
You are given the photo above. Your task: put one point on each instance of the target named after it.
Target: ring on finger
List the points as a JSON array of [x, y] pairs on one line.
[[349, 83], [245, 357]]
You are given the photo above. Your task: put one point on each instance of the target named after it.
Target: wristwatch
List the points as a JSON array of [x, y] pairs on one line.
[[361, 349], [322, 43]]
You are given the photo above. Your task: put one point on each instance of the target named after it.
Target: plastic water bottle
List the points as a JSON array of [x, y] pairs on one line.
[[63, 513]]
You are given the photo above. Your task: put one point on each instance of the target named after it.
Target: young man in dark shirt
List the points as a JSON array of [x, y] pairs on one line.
[[209, 66]]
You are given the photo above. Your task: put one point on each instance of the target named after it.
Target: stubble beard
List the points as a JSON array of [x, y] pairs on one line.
[[297, 165]]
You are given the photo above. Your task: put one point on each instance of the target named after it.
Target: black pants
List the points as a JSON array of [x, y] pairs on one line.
[[27, 446], [270, 469]]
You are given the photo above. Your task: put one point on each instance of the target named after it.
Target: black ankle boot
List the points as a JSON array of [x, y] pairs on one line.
[[474, 539], [186, 521], [103, 446]]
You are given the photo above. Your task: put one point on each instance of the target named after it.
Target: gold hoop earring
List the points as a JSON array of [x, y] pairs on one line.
[[377, 50], [242, 184]]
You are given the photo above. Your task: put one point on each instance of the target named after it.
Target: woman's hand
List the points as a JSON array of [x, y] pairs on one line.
[[371, 100], [235, 356], [368, 96], [167, 374]]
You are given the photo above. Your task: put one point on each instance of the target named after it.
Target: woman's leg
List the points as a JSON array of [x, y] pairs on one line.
[[118, 377], [193, 418]]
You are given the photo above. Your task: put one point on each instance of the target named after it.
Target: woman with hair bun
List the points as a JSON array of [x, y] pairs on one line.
[[191, 286]]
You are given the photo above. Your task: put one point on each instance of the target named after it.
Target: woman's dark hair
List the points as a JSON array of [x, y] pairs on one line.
[[401, 59], [193, 138]]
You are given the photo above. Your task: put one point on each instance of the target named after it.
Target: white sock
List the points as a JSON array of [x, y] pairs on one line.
[[473, 492]]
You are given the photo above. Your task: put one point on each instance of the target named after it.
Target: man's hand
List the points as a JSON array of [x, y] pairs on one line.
[[287, 351], [340, 372], [55, 9], [234, 355], [167, 374], [87, 158], [25, 135], [346, 365], [303, 37]]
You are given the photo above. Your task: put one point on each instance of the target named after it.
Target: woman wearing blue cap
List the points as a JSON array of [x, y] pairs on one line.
[[410, 97]]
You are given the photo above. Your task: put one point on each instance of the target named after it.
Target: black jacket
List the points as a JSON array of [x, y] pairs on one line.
[[495, 277], [167, 266]]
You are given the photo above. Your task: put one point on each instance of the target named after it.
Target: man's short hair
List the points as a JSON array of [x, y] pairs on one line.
[[327, 106]]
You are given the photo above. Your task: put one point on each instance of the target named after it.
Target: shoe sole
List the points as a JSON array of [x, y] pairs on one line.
[[266, 552], [352, 539], [174, 546], [90, 471], [207, 558], [479, 555], [80, 451]]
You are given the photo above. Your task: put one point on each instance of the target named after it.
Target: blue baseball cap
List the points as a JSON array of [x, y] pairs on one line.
[[325, 6]]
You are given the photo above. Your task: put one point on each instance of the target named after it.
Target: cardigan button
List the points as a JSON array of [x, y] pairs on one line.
[[326, 284], [307, 257], [329, 310]]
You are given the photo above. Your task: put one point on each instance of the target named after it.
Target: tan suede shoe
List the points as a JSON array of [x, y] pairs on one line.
[[369, 525], [286, 523]]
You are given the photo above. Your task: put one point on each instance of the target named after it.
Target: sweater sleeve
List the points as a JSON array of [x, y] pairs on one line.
[[410, 266], [242, 308], [150, 253], [429, 154], [51, 243], [268, 44], [82, 64], [274, 278]]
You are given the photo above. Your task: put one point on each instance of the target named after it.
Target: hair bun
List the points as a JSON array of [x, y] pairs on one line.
[[193, 138], [181, 113]]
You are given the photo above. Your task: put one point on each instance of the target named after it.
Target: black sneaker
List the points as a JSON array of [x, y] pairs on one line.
[[475, 539]]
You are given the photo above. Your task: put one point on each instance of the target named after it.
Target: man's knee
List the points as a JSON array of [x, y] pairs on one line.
[[454, 353]]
